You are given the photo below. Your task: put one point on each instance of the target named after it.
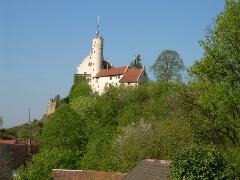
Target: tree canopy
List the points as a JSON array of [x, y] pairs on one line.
[[217, 79], [221, 61], [136, 63], [168, 66]]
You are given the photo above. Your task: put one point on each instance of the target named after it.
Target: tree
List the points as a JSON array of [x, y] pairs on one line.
[[168, 66], [65, 128], [217, 80], [47, 159], [221, 61], [132, 145], [136, 63]]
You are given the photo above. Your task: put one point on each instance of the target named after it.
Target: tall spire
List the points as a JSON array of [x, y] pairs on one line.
[[98, 25]]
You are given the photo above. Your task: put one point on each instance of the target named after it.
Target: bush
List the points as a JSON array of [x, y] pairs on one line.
[[132, 145], [198, 163], [42, 163], [64, 129], [82, 89]]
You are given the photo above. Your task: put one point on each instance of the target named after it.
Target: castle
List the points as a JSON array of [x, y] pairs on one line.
[[101, 74]]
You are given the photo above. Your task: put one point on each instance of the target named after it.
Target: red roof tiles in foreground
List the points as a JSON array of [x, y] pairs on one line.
[[8, 141], [63, 174], [131, 76], [112, 71]]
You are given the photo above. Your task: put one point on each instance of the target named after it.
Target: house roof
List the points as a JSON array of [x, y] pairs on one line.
[[12, 141], [131, 76], [64, 174], [150, 169], [112, 71]]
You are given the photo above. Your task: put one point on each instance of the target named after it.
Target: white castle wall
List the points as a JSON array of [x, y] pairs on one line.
[[99, 84], [92, 64]]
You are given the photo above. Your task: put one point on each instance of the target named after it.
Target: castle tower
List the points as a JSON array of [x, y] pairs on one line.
[[97, 52], [92, 64]]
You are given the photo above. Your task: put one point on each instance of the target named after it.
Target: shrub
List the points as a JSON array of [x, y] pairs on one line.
[[42, 163], [133, 144], [198, 163], [82, 89]]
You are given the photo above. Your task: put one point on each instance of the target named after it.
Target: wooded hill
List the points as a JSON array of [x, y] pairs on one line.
[[194, 124]]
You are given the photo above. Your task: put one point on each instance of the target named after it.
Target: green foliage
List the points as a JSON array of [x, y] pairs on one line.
[[216, 116], [81, 89], [79, 79], [65, 129], [64, 141], [136, 63], [99, 150], [232, 156], [198, 163], [48, 159], [142, 139], [132, 144], [23, 132], [168, 66], [221, 62], [158, 120]]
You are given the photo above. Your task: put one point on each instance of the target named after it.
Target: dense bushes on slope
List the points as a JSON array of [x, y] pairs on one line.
[[114, 131], [91, 125]]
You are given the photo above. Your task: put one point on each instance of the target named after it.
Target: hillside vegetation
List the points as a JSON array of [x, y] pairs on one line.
[[24, 131], [114, 131], [194, 124]]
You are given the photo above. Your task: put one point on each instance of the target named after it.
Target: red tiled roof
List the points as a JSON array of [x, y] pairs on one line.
[[112, 71], [14, 141], [131, 76], [63, 174], [8, 141]]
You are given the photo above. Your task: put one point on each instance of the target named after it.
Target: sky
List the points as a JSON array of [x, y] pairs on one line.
[[43, 41]]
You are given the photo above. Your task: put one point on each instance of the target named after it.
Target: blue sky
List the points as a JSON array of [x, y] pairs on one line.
[[42, 42]]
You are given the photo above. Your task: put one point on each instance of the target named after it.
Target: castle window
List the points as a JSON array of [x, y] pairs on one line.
[[118, 77], [110, 77], [93, 51], [85, 72]]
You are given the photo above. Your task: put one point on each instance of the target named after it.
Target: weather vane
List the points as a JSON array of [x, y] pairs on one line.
[[98, 25]]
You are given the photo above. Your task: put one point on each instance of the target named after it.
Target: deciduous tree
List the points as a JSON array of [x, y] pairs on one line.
[[217, 80], [168, 66]]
